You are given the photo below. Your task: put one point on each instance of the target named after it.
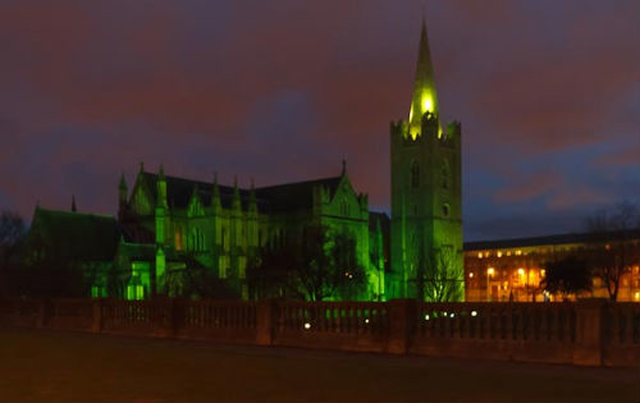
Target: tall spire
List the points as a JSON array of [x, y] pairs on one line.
[[425, 97], [73, 203]]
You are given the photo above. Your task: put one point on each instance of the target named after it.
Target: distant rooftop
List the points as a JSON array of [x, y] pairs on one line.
[[551, 240]]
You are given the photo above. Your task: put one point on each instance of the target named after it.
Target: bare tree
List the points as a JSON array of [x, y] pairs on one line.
[[12, 233], [441, 276], [323, 265], [569, 275], [613, 247]]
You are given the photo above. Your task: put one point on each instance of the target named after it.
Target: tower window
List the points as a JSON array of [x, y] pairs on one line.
[[445, 210], [445, 174], [415, 175]]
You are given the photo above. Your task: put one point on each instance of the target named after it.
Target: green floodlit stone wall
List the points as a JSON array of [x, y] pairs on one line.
[[426, 202], [225, 240], [426, 209]]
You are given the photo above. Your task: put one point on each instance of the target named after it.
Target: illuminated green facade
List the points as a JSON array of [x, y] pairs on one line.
[[167, 225], [221, 228], [426, 208]]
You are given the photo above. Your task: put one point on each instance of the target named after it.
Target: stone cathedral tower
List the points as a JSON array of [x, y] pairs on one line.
[[426, 203]]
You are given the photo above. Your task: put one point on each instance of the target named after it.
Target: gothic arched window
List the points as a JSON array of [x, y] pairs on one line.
[[344, 207], [415, 175], [179, 238], [445, 174]]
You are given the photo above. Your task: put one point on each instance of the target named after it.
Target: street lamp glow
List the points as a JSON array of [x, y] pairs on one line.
[[307, 325]]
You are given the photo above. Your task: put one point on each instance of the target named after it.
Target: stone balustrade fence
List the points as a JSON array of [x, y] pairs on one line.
[[586, 332]]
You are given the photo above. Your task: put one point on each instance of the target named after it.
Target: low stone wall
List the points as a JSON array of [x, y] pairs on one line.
[[586, 332]]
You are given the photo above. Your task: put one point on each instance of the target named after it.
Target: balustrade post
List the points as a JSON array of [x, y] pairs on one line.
[[588, 349], [265, 322], [96, 325], [45, 311], [171, 319], [402, 325]]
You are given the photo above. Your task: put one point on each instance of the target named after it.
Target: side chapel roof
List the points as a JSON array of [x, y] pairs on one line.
[[76, 235]]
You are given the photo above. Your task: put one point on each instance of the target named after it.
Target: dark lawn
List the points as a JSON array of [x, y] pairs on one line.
[[60, 366]]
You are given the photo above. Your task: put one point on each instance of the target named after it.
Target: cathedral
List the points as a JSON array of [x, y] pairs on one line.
[[166, 223]]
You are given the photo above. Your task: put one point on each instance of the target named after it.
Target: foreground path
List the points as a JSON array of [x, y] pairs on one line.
[[58, 366]]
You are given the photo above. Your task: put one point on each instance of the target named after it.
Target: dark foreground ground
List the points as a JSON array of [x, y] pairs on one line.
[[58, 366]]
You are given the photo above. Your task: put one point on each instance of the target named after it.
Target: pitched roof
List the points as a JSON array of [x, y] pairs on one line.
[[76, 235], [285, 197], [553, 240], [294, 196]]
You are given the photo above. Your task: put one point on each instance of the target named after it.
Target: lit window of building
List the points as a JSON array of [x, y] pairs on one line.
[[479, 255], [518, 252], [499, 253], [521, 271]]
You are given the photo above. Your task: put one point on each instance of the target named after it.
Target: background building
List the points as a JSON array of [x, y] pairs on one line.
[[513, 269]]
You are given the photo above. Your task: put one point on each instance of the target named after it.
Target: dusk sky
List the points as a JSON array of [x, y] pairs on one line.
[[548, 93]]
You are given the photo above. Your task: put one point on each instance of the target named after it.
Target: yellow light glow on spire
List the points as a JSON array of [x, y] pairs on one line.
[[427, 102]]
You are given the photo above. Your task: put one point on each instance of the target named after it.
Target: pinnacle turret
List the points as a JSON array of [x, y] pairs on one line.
[[236, 194], [252, 197], [161, 189], [123, 182], [215, 194]]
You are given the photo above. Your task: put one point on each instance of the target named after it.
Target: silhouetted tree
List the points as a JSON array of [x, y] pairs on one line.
[[322, 265], [197, 281], [568, 275], [440, 278], [43, 271], [612, 250], [12, 234], [272, 274]]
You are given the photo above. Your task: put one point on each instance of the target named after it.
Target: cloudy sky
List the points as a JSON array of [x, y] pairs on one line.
[[548, 93]]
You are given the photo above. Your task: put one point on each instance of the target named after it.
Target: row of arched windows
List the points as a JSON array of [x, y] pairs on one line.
[[444, 175]]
